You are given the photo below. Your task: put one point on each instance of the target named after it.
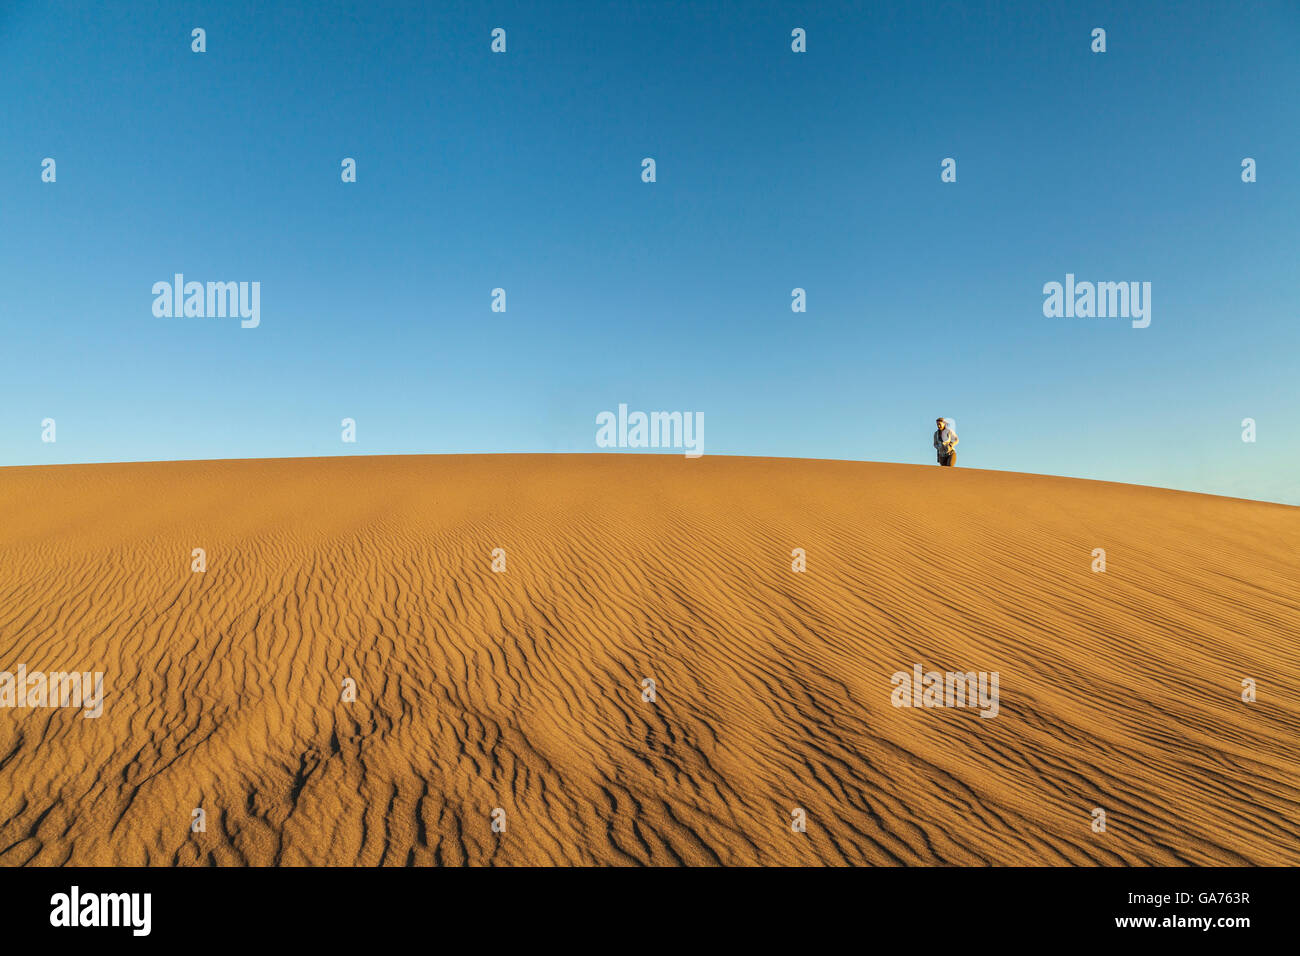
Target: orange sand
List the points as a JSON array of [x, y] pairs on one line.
[[522, 690]]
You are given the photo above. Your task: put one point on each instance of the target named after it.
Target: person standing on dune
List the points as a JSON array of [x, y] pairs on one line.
[[945, 443]]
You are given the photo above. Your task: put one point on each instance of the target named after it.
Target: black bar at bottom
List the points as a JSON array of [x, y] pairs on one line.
[[618, 908]]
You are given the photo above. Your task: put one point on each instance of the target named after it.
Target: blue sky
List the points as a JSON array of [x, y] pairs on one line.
[[775, 170]]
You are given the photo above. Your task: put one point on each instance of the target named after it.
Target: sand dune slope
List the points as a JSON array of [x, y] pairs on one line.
[[522, 690]]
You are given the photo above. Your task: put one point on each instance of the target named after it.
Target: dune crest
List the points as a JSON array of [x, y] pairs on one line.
[[522, 691]]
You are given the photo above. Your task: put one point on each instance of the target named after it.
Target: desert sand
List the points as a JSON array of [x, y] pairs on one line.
[[522, 690]]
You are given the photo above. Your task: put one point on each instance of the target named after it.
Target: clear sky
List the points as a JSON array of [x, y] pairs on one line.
[[775, 170]]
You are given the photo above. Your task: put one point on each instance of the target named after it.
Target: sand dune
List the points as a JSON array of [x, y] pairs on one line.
[[522, 690]]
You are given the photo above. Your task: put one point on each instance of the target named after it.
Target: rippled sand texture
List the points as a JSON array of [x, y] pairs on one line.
[[522, 690]]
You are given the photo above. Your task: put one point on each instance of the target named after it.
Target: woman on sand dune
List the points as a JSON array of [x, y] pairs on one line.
[[945, 443]]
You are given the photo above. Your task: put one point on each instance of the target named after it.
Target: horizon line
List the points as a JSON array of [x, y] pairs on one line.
[[624, 454]]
